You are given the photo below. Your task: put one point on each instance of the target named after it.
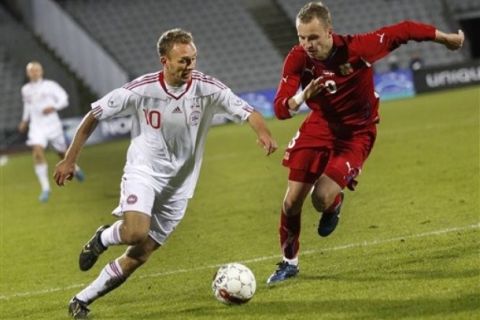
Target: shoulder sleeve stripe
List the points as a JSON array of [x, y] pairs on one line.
[[139, 84], [211, 81], [97, 112], [202, 76], [152, 76]]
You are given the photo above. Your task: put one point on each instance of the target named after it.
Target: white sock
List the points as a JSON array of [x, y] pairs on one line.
[[293, 261], [41, 170], [77, 168], [109, 278], [111, 235]]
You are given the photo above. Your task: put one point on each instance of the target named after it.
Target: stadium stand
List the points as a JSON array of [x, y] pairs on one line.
[[464, 6], [12, 80], [351, 17], [18, 46], [231, 45]]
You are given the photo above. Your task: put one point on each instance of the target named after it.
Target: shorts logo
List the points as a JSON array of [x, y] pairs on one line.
[[131, 199]]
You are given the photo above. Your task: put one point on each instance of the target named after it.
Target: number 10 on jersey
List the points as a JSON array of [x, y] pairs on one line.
[[153, 118]]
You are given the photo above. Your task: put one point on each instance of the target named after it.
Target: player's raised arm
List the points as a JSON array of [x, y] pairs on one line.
[[264, 136], [66, 167]]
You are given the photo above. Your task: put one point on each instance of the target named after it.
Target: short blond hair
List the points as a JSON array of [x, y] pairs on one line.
[[170, 37], [314, 10]]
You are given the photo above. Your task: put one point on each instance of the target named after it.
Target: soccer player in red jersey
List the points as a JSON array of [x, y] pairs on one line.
[[336, 80]]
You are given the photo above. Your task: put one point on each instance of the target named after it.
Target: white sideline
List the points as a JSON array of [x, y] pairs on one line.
[[306, 252]]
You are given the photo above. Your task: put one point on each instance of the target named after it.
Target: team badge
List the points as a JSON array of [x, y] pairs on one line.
[[195, 118], [131, 199]]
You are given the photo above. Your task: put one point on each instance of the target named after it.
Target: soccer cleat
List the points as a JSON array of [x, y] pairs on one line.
[[283, 272], [328, 221], [79, 175], [91, 250], [44, 196], [78, 309]]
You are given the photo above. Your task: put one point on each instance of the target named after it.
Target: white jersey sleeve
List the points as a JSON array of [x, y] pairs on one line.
[[26, 105], [118, 102], [59, 95], [237, 108]]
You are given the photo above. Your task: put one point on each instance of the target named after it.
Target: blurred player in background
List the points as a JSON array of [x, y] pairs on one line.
[[172, 112], [336, 80], [42, 99]]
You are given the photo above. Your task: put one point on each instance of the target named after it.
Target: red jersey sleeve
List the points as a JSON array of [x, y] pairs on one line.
[[377, 44], [293, 68]]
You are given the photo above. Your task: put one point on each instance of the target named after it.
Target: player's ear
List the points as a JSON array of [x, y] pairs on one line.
[[163, 60]]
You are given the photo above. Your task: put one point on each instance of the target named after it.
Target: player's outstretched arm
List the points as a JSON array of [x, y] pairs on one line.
[[264, 137], [65, 169], [452, 41]]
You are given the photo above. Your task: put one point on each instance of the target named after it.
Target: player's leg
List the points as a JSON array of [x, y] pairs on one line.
[[112, 276], [166, 215], [131, 230], [327, 198], [289, 230], [136, 204], [340, 172], [41, 170]]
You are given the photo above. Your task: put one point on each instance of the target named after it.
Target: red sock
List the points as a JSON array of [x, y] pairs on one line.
[[333, 206], [289, 234]]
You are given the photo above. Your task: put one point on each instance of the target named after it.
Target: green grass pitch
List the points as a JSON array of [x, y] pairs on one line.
[[407, 246]]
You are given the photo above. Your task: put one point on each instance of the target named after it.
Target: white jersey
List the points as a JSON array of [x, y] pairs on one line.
[[169, 126], [36, 97]]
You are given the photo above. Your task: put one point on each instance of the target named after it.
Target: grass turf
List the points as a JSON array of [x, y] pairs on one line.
[[407, 246]]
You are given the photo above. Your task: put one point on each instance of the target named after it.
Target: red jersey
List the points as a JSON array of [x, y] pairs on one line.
[[348, 99]]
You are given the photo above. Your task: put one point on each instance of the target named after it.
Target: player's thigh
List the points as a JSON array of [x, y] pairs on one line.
[[167, 214], [136, 222], [347, 162]]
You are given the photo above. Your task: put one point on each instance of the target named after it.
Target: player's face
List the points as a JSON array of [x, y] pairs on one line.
[[34, 71], [179, 63], [316, 38]]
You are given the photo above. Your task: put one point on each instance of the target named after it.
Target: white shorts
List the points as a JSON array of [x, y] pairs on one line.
[[42, 138], [138, 195]]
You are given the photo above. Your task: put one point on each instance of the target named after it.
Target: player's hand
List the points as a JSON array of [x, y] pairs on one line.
[[48, 110], [22, 126], [267, 143], [313, 88], [63, 171], [452, 41]]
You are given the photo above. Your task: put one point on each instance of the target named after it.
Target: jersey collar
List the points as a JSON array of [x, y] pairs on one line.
[[161, 80]]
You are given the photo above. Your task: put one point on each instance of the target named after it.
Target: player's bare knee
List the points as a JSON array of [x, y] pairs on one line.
[[320, 200], [292, 207], [133, 236]]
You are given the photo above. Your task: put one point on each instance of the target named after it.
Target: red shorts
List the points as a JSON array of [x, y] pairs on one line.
[[341, 159]]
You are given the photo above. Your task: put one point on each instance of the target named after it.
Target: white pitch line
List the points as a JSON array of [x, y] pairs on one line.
[[259, 259]]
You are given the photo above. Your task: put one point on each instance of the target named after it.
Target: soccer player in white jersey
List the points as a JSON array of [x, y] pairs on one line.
[[42, 99], [172, 112]]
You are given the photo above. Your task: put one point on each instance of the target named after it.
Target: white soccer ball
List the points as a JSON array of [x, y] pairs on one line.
[[234, 283]]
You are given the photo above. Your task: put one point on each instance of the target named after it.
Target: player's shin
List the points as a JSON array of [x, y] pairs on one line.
[[289, 236], [41, 170], [110, 277]]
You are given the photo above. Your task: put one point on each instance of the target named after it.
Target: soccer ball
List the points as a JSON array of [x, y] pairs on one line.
[[234, 283]]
